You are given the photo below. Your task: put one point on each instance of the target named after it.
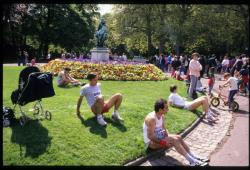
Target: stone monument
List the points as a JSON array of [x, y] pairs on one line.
[[100, 53]]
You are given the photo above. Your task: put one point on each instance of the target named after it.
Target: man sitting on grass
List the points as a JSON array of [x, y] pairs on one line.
[[64, 78], [156, 135], [96, 102], [178, 101]]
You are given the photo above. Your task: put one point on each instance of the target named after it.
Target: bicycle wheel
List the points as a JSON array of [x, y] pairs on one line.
[[234, 106], [47, 115], [215, 102]]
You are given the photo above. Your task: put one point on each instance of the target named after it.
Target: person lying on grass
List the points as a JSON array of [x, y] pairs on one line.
[[92, 92], [64, 78], [156, 136], [176, 100]]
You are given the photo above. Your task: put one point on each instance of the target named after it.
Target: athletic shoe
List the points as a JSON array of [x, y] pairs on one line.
[[211, 118], [101, 121], [117, 118], [212, 113], [203, 159], [199, 163]]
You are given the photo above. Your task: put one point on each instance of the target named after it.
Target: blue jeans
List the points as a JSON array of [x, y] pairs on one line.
[[192, 87], [231, 95]]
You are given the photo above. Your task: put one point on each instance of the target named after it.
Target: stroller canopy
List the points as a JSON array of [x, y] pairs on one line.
[[37, 85]]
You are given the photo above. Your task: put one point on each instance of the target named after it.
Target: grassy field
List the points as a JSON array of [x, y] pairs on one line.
[[67, 140]]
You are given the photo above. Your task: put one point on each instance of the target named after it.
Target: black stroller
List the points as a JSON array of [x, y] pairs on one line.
[[33, 85]]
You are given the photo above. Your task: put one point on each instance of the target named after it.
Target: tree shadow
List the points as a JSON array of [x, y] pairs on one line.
[[33, 136], [95, 128]]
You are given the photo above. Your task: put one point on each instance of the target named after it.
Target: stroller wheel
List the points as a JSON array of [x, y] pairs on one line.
[[22, 120], [36, 110], [215, 102], [47, 115]]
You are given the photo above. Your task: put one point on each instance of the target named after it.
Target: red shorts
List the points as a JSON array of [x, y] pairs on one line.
[[105, 108]]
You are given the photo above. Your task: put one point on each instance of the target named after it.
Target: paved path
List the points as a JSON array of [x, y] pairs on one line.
[[235, 151], [205, 139]]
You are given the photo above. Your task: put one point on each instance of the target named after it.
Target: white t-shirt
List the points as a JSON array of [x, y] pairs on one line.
[[233, 83], [225, 62], [176, 99], [91, 92]]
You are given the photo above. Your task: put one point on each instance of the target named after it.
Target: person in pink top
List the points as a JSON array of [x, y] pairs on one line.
[[194, 72]]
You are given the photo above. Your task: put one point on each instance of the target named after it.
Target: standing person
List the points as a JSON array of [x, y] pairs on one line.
[[156, 136], [225, 64], [20, 58], [26, 57], [211, 62], [194, 72], [233, 65], [162, 62], [186, 64], [238, 63], [203, 64], [166, 63], [211, 80], [49, 56], [124, 57], [176, 63], [157, 61], [170, 62], [92, 92]]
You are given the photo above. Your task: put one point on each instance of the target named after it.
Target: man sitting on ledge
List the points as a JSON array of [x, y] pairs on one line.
[[156, 135], [176, 100]]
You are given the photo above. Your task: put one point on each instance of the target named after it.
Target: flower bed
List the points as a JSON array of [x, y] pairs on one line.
[[107, 71]]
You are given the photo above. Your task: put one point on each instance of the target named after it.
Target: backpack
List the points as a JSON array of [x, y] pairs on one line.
[[8, 116]]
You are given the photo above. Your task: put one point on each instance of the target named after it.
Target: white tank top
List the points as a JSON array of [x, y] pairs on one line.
[[158, 125]]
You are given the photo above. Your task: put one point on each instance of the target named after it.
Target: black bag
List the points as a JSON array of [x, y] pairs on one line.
[[8, 116]]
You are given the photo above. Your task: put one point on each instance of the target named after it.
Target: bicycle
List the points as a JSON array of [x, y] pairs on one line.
[[216, 97]]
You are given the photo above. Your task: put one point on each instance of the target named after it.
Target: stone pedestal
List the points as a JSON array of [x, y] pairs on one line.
[[99, 54]]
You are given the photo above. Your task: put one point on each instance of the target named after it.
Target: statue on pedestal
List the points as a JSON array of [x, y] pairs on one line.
[[101, 33]]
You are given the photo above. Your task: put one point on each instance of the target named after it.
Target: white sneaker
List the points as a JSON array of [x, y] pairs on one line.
[[116, 117], [210, 118], [212, 113], [101, 121], [198, 163]]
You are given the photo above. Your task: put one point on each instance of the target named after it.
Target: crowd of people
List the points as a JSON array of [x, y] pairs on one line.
[[205, 66]]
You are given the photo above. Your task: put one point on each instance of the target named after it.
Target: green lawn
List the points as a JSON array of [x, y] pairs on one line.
[[66, 140]]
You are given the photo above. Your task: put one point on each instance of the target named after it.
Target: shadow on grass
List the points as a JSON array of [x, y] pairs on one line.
[[118, 125], [33, 137], [95, 128]]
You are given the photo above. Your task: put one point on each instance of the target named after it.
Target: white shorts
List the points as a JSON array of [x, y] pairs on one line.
[[187, 105]]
